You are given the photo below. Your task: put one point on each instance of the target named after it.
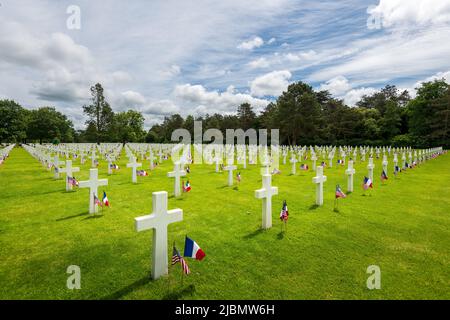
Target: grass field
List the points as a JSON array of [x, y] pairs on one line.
[[402, 226]]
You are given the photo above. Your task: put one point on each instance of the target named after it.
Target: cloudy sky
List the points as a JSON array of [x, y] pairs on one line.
[[197, 57]]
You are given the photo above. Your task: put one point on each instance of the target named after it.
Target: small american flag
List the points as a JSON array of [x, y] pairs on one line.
[[176, 257], [339, 193], [284, 214], [72, 181], [97, 202]]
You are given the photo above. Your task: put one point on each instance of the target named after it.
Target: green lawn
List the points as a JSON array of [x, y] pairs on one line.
[[403, 227]]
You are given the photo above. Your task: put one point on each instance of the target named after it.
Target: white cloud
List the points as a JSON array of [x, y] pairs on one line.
[[214, 101], [353, 96], [394, 55], [336, 86], [259, 63], [270, 84], [271, 40], [161, 107], [256, 42], [132, 98], [404, 13], [173, 71]]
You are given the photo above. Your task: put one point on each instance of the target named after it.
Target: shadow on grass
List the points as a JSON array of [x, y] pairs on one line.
[[253, 234], [280, 235], [336, 210], [128, 289], [313, 207], [180, 293], [94, 216], [236, 188], [222, 187], [72, 216]]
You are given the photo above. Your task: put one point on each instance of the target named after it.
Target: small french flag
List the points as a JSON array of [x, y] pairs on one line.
[[192, 250]]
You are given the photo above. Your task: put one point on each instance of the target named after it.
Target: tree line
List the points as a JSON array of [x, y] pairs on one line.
[[303, 115]]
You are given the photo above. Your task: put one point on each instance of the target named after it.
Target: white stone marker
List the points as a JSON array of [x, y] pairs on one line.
[[56, 164], [350, 172], [93, 158], [330, 160], [294, 164], [108, 158], [265, 166], [266, 194], [176, 173], [158, 220], [370, 168], [134, 165], [230, 167], [319, 179], [314, 160], [69, 173], [93, 183], [216, 159], [385, 164], [151, 158]]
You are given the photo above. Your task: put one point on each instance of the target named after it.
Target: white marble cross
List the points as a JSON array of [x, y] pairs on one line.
[[151, 158], [314, 160], [217, 161], [134, 165], [330, 159], [177, 174], [159, 220], [93, 158], [93, 183], [69, 173], [319, 179], [385, 164], [265, 166], [266, 194], [395, 160], [56, 164], [109, 159], [294, 164], [350, 172], [370, 168], [230, 168]]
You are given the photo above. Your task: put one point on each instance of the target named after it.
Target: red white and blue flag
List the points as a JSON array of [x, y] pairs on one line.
[[304, 167], [384, 176], [367, 183], [97, 202], [186, 186], [193, 250], [340, 193], [72, 181], [105, 199], [176, 257], [284, 214], [142, 173]]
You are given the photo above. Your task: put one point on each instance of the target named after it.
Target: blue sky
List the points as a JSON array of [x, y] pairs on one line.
[[197, 57]]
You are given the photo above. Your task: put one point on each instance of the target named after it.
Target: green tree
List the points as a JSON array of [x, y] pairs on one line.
[[299, 114], [13, 121], [247, 117], [129, 126], [429, 114], [100, 114], [46, 124]]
